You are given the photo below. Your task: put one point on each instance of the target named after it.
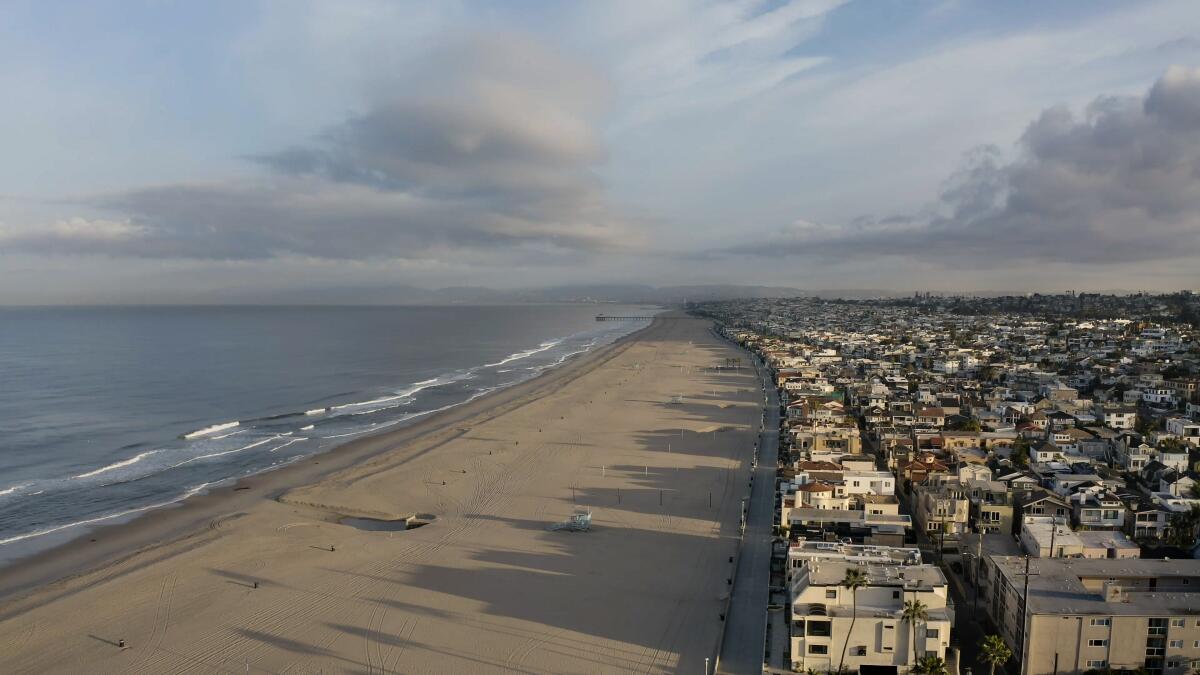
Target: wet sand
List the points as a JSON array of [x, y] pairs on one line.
[[483, 587]]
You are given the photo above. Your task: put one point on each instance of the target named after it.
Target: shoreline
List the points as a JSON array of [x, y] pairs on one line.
[[107, 545], [648, 435]]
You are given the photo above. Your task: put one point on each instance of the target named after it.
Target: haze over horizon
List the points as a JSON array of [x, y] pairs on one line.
[[176, 152]]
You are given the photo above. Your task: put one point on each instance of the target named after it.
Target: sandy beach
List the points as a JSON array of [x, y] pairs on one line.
[[264, 576]]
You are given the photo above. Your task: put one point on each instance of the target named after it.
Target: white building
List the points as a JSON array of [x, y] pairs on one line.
[[870, 483], [826, 617], [1184, 429]]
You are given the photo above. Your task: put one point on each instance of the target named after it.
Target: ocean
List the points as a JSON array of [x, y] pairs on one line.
[[107, 412]]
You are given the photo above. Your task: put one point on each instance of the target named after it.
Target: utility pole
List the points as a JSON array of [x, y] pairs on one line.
[[1053, 532], [978, 569], [1024, 612]]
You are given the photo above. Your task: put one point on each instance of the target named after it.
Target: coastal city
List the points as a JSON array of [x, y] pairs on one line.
[[697, 337], [982, 484]]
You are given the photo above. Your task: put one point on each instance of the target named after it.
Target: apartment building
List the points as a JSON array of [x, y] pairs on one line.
[[941, 510], [824, 612], [1092, 614], [991, 506]]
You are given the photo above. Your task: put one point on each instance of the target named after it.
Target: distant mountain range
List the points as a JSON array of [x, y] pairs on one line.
[[467, 295]]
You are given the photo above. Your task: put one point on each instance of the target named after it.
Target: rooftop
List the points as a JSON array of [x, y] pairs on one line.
[[1056, 585], [832, 572]]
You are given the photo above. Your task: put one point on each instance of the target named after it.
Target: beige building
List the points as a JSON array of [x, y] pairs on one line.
[[826, 441], [1049, 537], [941, 510], [1088, 614], [823, 610], [991, 508]]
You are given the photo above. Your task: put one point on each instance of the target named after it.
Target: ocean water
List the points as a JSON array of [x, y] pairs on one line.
[[107, 412]]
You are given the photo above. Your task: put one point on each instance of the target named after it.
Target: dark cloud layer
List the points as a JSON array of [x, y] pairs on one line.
[[1122, 184], [489, 146]]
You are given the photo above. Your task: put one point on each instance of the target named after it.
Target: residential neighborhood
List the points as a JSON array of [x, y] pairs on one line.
[[970, 484]]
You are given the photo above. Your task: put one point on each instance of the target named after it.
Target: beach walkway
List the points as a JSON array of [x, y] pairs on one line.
[[745, 637]]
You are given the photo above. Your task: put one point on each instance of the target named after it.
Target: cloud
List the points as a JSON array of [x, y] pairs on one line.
[[489, 144], [1120, 184], [687, 58]]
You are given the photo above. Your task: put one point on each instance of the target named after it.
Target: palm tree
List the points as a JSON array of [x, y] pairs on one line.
[[855, 579], [914, 611], [1181, 529], [931, 664], [994, 652]]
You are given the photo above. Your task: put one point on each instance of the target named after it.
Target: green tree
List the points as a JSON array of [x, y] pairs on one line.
[[1020, 452], [1181, 529], [914, 611], [930, 665], [994, 652], [855, 579]]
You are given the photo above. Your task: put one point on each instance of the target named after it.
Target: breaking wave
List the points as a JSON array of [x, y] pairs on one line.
[[206, 431], [116, 465]]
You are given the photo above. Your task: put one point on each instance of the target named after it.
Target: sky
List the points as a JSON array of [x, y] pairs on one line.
[[164, 151]]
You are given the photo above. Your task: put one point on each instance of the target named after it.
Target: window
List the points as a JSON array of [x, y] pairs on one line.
[[831, 594], [1101, 622], [1097, 663], [818, 649], [1177, 623], [931, 632], [858, 651], [1173, 663], [1176, 644], [1196, 644], [1098, 643], [818, 628]]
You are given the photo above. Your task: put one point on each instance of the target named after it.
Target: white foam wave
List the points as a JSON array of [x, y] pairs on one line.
[[226, 452], [14, 488], [418, 387], [374, 410], [307, 427], [100, 519], [294, 440], [373, 401], [316, 411], [235, 433], [116, 465], [399, 398], [517, 356], [353, 433], [211, 430]]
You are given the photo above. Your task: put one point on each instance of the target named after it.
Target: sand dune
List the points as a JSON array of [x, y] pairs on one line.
[[483, 586]]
